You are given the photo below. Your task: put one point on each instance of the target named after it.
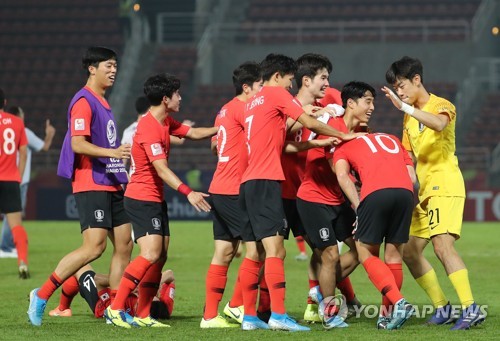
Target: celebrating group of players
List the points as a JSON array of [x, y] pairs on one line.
[[284, 163]]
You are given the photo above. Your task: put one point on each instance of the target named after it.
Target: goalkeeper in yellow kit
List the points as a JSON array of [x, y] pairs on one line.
[[429, 136]]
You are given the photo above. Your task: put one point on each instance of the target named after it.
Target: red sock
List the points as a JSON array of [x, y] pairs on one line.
[[21, 241], [148, 288], [69, 290], [312, 283], [397, 272], [382, 278], [264, 298], [275, 278], [301, 244], [112, 295], [167, 296], [50, 286], [346, 289], [249, 280], [132, 276], [237, 299], [214, 289]]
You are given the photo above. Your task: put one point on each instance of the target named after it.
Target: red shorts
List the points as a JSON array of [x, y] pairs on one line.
[[105, 300]]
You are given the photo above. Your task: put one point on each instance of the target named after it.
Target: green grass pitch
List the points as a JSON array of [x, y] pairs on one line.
[[190, 253]]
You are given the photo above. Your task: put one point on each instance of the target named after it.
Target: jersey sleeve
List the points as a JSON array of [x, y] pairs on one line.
[[340, 154], [176, 128], [151, 139], [34, 142], [81, 117], [289, 105]]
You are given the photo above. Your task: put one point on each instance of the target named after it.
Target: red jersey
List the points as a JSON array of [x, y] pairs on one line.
[[151, 142], [231, 149], [12, 137], [81, 118], [379, 159], [265, 129], [332, 96], [293, 165], [320, 184]]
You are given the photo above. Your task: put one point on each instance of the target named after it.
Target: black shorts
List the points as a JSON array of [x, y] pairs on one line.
[[10, 197], [293, 218], [228, 219], [385, 214], [261, 202], [101, 209], [148, 217], [325, 224]]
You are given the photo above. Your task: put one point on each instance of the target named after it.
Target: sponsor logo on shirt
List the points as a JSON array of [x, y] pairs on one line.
[[79, 124], [156, 149]]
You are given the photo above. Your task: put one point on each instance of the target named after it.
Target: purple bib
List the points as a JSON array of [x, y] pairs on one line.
[[105, 171]]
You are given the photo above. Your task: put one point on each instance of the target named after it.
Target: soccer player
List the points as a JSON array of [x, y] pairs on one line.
[[94, 288], [144, 198], [224, 190], [34, 144], [327, 217], [13, 141], [429, 135], [91, 157], [260, 191], [386, 175]]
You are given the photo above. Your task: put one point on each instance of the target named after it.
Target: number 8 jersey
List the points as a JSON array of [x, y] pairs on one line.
[[12, 136]]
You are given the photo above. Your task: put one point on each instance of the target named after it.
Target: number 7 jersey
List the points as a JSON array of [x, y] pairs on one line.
[[12, 136]]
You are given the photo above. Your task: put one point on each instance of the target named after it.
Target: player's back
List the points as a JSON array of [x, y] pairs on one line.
[[265, 129], [231, 149], [12, 136], [379, 159]]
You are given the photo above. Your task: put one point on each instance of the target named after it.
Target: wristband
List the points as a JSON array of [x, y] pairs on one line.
[[184, 189], [407, 108]]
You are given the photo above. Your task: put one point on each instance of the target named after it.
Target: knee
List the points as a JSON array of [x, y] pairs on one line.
[[442, 251], [95, 251], [330, 256], [152, 256]]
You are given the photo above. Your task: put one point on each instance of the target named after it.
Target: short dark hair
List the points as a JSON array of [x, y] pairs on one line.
[[309, 64], [158, 86], [273, 63], [142, 105], [406, 67], [2, 98], [355, 90], [96, 54], [247, 73], [14, 110]]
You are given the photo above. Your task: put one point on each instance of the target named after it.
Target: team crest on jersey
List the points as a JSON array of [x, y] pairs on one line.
[[222, 113], [156, 223], [79, 124], [156, 149], [111, 133], [324, 234], [421, 127], [99, 215]]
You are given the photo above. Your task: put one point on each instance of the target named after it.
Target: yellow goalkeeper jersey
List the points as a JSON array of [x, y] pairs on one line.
[[437, 165]]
